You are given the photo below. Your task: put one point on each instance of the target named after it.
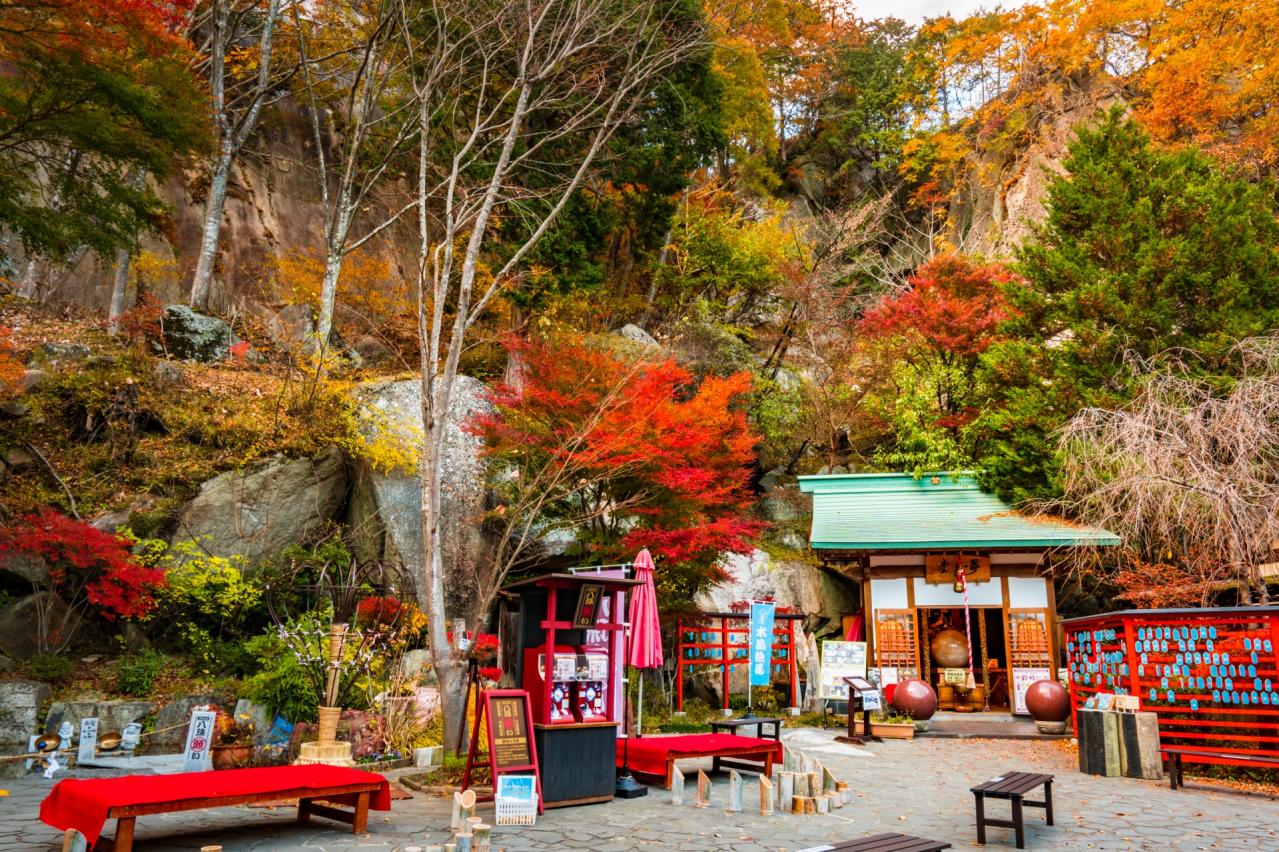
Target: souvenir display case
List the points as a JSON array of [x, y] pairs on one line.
[[560, 617]]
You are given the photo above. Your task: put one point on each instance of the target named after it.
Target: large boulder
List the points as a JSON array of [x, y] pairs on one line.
[[171, 723], [386, 505], [20, 620], [821, 595], [259, 511], [196, 337]]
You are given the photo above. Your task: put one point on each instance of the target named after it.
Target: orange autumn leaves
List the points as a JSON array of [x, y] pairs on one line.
[[1203, 72]]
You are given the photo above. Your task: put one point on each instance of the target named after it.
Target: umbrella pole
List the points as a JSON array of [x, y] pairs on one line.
[[639, 726], [627, 787]]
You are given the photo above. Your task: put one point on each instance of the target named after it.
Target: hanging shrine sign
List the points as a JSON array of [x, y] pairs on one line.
[[505, 713], [943, 568]]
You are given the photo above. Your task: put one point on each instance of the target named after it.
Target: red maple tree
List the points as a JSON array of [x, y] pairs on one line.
[[90, 570], [952, 306], [624, 454]]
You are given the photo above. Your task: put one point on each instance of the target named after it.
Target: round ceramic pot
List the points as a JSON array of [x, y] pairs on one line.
[[231, 756], [1048, 701], [915, 698]]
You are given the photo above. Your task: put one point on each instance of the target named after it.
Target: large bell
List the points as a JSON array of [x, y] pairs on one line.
[[950, 649]]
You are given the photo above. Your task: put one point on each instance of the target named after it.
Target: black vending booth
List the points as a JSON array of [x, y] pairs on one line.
[[566, 651]]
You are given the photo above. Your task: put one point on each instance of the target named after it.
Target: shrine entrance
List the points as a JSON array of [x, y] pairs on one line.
[[944, 657]]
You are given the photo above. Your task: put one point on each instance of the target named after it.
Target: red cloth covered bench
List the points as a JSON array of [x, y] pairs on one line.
[[85, 804], [656, 756]]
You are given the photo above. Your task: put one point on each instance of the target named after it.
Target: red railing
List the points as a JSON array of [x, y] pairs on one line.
[[1211, 675], [715, 637]]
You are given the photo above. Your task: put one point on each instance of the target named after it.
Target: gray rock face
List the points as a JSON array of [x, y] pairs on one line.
[[259, 511], [19, 620], [175, 715], [196, 337], [58, 353], [387, 506], [111, 715], [810, 589]]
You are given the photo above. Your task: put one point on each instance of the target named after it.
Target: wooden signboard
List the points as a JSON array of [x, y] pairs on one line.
[[504, 715], [588, 605], [942, 568]]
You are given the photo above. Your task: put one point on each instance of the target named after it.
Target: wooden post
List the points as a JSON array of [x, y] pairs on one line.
[[765, 796], [679, 665], [823, 803], [785, 789], [734, 792], [723, 644], [797, 804], [703, 790], [677, 786]]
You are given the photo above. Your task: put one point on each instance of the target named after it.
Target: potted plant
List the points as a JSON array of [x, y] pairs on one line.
[[233, 742], [889, 725]]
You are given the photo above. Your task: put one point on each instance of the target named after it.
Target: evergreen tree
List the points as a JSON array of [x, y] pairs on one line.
[[1144, 251]]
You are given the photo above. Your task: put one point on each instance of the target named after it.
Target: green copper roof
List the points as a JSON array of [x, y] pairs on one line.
[[896, 511]]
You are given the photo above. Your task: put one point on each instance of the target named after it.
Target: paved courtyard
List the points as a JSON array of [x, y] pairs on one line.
[[917, 787]]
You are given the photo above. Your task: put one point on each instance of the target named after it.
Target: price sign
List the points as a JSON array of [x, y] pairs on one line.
[[872, 700], [840, 660], [199, 739]]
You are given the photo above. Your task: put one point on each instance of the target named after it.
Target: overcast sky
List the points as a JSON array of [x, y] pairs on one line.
[[914, 11]]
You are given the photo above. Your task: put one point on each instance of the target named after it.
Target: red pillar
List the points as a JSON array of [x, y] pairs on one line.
[[723, 644], [679, 665]]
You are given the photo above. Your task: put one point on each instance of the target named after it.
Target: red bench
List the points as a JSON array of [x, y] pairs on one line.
[[86, 804], [656, 756]]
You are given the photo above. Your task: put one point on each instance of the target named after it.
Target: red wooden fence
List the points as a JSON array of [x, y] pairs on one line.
[[1210, 674], [717, 637]]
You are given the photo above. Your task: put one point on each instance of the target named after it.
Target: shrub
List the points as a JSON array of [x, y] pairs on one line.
[[49, 668], [91, 570], [283, 685], [135, 674]]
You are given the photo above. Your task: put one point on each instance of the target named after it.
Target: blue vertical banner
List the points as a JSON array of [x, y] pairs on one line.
[[761, 643]]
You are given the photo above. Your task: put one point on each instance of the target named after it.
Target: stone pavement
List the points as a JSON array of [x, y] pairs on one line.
[[918, 787]]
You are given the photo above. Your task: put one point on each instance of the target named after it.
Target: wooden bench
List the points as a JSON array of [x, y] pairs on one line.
[[86, 804], [1012, 786], [767, 728], [1209, 755], [883, 843]]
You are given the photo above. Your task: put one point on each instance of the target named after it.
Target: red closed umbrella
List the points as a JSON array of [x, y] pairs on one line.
[[644, 650]]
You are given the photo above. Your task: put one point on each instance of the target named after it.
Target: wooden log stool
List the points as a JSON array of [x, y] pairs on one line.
[[1012, 786]]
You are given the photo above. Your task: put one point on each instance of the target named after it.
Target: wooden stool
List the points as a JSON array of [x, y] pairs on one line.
[[1012, 786]]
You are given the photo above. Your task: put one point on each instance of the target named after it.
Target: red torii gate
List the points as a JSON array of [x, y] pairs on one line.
[[715, 639]]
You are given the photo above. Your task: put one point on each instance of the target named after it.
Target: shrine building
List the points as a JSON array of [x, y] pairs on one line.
[[906, 540]]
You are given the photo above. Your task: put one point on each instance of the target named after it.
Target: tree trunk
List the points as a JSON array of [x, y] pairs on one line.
[[116, 308], [328, 296], [202, 281]]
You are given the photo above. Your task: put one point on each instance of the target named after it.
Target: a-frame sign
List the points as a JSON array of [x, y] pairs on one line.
[[505, 713]]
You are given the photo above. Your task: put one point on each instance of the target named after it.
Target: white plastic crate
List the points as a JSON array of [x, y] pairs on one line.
[[516, 811]]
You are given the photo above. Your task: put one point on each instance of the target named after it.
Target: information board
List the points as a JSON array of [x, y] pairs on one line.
[[508, 732], [840, 660], [1022, 679], [504, 715]]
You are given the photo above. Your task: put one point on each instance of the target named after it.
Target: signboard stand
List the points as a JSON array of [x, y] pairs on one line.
[[506, 713], [863, 696], [196, 755]]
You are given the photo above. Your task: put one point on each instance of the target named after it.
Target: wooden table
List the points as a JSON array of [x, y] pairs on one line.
[[732, 726], [883, 843], [1012, 786]]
